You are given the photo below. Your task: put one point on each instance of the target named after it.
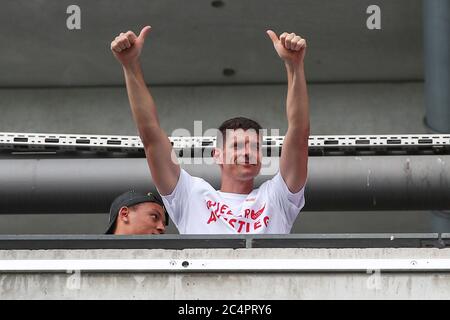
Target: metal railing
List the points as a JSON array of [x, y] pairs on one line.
[[179, 242], [105, 145]]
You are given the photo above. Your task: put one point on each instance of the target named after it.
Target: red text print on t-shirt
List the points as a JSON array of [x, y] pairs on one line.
[[242, 224]]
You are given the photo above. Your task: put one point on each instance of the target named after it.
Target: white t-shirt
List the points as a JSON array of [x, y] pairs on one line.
[[197, 208]]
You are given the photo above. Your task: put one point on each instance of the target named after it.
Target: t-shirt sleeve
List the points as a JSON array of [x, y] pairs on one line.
[[290, 203], [176, 202]]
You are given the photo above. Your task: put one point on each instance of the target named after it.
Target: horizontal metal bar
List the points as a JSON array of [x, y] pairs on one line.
[[227, 265], [198, 146], [384, 240], [334, 183], [36, 242]]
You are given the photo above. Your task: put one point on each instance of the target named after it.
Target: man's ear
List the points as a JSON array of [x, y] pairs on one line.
[[123, 214], [218, 156]]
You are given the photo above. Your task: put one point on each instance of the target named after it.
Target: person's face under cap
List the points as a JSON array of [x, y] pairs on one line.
[[142, 218]]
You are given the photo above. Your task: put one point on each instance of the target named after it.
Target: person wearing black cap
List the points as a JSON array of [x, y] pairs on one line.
[[137, 213]]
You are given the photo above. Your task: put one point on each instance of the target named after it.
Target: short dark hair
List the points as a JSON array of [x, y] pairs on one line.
[[238, 123]]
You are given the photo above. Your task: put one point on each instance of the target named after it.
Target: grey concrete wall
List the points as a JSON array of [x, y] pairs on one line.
[[292, 285], [371, 108], [192, 42]]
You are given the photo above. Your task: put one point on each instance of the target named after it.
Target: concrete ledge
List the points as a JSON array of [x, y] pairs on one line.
[[372, 284]]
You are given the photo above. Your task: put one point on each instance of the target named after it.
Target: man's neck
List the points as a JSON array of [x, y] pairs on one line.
[[120, 230], [236, 186]]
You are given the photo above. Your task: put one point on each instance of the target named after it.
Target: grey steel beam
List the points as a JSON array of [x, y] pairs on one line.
[[16, 145], [376, 240], [365, 240], [47, 242], [436, 16], [334, 183], [445, 239]]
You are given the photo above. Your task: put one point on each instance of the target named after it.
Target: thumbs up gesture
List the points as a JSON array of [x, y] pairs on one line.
[[127, 47], [290, 47]]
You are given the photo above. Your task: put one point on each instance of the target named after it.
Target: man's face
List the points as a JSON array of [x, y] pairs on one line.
[[147, 218], [241, 154]]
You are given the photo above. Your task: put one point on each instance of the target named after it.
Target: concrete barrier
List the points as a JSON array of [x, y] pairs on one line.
[[173, 284]]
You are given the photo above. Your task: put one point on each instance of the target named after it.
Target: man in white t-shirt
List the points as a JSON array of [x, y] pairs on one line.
[[237, 208]]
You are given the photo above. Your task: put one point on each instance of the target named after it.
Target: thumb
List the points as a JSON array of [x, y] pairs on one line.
[[272, 36], [144, 32]]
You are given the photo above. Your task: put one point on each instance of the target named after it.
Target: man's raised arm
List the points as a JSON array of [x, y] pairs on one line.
[[294, 156], [165, 171]]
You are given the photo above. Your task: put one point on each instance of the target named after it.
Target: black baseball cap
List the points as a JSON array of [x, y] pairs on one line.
[[128, 199]]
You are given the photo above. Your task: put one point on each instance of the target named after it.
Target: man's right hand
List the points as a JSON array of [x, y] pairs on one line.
[[127, 47]]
